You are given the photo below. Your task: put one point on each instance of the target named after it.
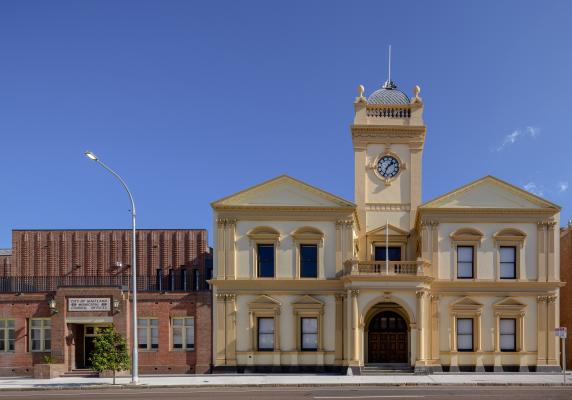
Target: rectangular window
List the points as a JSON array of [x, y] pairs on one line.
[[197, 279], [7, 334], [183, 330], [508, 262], [308, 261], [265, 260], [40, 335], [148, 333], [394, 253], [309, 334], [507, 334], [265, 334], [465, 258], [464, 334]]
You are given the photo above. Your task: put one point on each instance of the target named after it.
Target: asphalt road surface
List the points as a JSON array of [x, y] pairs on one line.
[[324, 393]]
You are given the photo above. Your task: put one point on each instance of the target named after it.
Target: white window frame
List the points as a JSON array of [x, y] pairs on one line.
[[184, 328], [5, 336], [148, 334], [42, 329]]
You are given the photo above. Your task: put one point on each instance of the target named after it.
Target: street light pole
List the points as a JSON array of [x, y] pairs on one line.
[[134, 344]]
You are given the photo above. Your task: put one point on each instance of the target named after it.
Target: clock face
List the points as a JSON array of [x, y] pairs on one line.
[[388, 167]]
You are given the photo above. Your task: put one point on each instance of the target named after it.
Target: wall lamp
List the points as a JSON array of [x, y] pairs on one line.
[[53, 306]]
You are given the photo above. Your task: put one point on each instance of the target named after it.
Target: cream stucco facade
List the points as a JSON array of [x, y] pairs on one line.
[[305, 280]]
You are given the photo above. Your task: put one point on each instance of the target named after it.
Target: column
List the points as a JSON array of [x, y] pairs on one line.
[[230, 229], [230, 325], [541, 256], [551, 267], [360, 182], [355, 327], [496, 341], [435, 249], [552, 349], [422, 330], [219, 329], [339, 246], [415, 170], [541, 328], [435, 353], [339, 340], [220, 249]]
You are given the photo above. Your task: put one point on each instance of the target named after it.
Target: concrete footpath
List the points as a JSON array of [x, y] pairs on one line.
[[282, 380]]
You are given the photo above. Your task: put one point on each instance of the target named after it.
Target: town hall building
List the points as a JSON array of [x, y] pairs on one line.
[[307, 281]]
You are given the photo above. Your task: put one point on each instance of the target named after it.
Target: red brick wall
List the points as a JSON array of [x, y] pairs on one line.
[[566, 291], [97, 252]]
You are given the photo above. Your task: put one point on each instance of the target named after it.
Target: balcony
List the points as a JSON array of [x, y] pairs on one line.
[[381, 268]]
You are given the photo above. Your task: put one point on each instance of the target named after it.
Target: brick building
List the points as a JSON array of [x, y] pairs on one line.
[[59, 288], [566, 291]]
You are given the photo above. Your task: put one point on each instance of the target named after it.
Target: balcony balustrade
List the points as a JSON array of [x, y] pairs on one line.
[[381, 268]]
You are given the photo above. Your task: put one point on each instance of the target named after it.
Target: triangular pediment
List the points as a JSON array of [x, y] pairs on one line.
[[308, 300], [283, 191], [509, 302], [265, 300], [489, 193], [466, 303], [391, 229]]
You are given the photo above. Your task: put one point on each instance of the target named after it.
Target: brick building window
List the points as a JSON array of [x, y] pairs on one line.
[[197, 279], [148, 333], [183, 333], [40, 334], [7, 335]]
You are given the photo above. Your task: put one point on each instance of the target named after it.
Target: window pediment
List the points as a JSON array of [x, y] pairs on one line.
[[467, 235], [264, 302], [264, 233], [466, 304], [509, 305], [510, 235], [308, 233], [308, 303]]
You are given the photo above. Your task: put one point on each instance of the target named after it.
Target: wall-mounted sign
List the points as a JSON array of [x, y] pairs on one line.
[[89, 304]]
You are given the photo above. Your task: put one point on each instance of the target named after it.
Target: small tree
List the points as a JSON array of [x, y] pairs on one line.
[[110, 352]]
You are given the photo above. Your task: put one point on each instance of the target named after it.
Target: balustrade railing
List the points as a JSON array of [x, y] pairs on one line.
[[381, 268], [384, 111]]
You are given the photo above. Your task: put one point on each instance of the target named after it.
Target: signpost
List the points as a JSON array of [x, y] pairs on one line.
[[562, 333]]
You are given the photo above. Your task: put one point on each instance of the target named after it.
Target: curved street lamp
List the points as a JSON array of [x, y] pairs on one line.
[[135, 355]]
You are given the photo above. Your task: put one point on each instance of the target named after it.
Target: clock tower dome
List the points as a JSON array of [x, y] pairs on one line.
[[388, 135]]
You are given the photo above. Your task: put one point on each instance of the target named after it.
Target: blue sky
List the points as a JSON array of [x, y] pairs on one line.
[[192, 101]]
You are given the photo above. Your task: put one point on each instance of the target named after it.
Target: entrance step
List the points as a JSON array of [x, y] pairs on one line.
[[386, 369], [80, 373]]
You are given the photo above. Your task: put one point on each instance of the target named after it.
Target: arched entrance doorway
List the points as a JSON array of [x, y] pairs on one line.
[[387, 338]]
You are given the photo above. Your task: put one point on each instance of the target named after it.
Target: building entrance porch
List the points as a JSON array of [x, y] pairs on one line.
[[83, 343]]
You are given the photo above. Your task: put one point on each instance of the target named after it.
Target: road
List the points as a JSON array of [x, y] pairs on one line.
[[333, 393]]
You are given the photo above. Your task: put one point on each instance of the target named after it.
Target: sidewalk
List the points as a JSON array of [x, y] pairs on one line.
[[306, 380]]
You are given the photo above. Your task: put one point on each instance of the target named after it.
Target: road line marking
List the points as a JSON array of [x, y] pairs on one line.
[[371, 397]]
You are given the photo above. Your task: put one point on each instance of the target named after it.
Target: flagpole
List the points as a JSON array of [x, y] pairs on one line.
[[386, 247]]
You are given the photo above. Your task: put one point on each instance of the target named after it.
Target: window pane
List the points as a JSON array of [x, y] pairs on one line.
[[35, 345], [154, 322], [266, 260], [2, 323], [142, 323], [309, 341], [266, 325], [507, 342], [465, 254], [177, 321], [177, 338], [309, 261], [465, 270], [394, 253], [154, 337], [464, 326], [47, 322], [36, 323], [265, 341], [508, 254], [142, 337], [190, 337], [35, 333], [508, 326], [47, 345], [189, 322], [508, 270], [10, 323], [309, 325], [465, 342]]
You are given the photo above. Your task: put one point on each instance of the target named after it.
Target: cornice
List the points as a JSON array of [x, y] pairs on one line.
[[486, 286], [283, 285]]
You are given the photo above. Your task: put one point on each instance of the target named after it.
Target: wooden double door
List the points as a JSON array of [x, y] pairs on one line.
[[387, 339]]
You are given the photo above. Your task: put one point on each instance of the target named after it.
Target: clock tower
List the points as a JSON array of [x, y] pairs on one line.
[[388, 134]]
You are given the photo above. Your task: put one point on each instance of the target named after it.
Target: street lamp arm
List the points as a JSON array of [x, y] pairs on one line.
[[122, 184]]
